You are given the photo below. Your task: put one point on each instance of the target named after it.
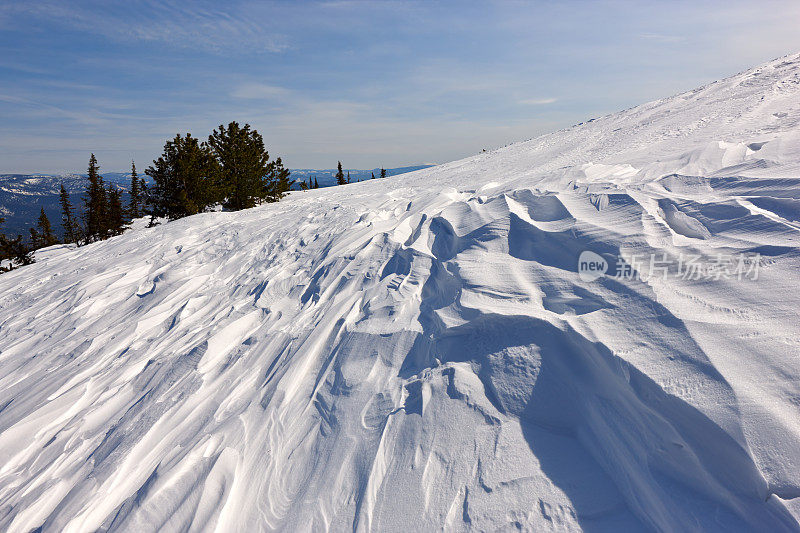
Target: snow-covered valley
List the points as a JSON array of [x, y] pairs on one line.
[[422, 352]]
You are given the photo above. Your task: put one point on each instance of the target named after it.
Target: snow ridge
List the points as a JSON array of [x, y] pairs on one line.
[[421, 352]]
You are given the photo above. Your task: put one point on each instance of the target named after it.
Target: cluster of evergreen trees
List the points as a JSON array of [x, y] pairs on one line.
[[232, 169], [104, 216], [342, 180], [14, 252], [305, 186]]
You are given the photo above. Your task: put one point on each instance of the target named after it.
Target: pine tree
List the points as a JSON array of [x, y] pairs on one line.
[[373, 176], [348, 176], [276, 183], [45, 231], [185, 179], [135, 202], [340, 175], [102, 202], [96, 204], [36, 242], [116, 213], [143, 197], [383, 172], [316, 183], [247, 175], [68, 218]]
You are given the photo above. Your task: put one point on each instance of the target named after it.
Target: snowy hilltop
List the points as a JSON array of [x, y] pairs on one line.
[[23, 195], [593, 329]]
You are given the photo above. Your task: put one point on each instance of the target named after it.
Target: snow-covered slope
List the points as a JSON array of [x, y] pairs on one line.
[[422, 352]]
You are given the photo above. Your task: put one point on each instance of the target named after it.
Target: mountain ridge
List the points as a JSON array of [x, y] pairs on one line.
[[427, 352], [20, 212]]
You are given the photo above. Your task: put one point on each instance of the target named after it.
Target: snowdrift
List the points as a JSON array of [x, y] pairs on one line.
[[427, 352]]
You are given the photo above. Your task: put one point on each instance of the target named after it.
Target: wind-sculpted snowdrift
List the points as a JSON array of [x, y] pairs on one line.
[[421, 353]]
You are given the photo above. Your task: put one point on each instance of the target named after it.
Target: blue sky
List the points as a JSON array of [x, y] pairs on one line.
[[369, 83]]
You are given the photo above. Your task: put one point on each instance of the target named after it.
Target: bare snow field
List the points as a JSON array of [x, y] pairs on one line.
[[425, 352]]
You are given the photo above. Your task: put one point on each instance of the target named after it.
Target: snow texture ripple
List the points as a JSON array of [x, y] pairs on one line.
[[420, 353]]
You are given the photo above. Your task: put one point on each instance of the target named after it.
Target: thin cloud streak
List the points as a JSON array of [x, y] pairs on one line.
[[538, 101]]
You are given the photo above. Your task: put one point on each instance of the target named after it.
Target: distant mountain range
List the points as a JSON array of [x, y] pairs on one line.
[[22, 196]]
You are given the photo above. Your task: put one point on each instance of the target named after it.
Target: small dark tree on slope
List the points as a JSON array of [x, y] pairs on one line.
[[144, 197], [46, 230], [42, 234], [95, 202], [34, 234], [306, 186], [15, 251], [135, 202], [383, 172], [276, 183], [116, 214], [102, 195], [68, 218], [340, 175]]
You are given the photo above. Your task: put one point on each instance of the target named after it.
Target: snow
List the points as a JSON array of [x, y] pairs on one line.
[[421, 352]]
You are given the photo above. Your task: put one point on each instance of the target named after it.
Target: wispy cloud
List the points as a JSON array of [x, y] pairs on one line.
[[176, 23], [19, 66], [53, 111], [662, 38], [538, 101]]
